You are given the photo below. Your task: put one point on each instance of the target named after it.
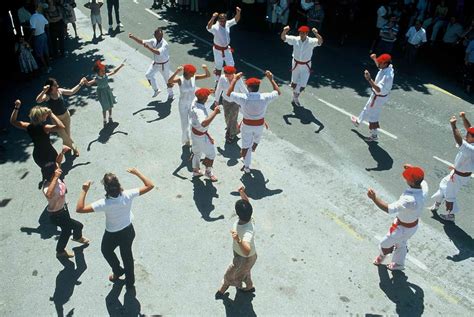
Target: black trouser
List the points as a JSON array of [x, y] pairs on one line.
[[63, 220], [123, 239], [115, 4], [56, 32], [411, 52]]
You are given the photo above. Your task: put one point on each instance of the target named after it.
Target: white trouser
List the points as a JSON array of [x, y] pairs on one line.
[[219, 60], [371, 111], [398, 239], [250, 135], [299, 75], [164, 70], [184, 106], [202, 145], [449, 188]]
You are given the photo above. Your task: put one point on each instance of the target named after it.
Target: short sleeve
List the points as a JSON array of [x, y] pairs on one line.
[[163, 48], [241, 87], [149, 42], [131, 193], [213, 29], [313, 41], [381, 11], [238, 98], [401, 204], [247, 236], [270, 96], [291, 40], [219, 88], [98, 205], [231, 23], [466, 147]]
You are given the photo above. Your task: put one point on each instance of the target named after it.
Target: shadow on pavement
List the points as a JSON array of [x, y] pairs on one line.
[[130, 307], [105, 134], [460, 238], [163, 109], [67, 279], [203, 193], [69, 165], [46, 228], [241, 305], [185, 162], [256, 185], [408, 297], [230, 151], [383, 159], [304, 115]]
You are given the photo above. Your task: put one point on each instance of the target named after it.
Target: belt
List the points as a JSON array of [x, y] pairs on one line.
[[397, 222], [254, 123], [199, 133], [223, 49], [57, 212], [301, 63], [466, 174], [375, 97], [162, 64]]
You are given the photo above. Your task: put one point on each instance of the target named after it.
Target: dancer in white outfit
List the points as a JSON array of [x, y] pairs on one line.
[[161, 60], [409, 208], [187, 87]]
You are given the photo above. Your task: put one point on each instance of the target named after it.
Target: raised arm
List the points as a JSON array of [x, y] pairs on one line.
[[378, 202], [147, 183], [466, 122], [58, 124], [242, 193], [233, 82], [54, 182], [136, 39], [70, 92], [13, 117], [371, 81], [286, 29], [457, 135], [238, 11], [318, 36], [89, 82], [42, 97], [172, 79], [272, 81], [212, 20], [206, 75], [81, 203], [116, 70], [211, 117]]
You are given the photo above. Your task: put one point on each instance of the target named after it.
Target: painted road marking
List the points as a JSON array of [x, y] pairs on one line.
[[438, 290], [446, 162], [145, 83], [197, 37], [441, 90], [135, 1], [156, 15], [347, 227]]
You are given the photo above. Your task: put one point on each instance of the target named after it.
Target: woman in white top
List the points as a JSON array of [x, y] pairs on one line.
[[245, 255], [187, 87], [119, 231]]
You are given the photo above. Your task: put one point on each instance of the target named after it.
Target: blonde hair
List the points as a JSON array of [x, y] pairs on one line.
[[37, 113]]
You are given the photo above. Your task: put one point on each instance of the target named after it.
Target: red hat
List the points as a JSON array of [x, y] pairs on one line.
[[99, 65], [303, 28], [413, 174], [189, 69], [202, 93], [384, 58], [229, 69], [252, 82], [471, 131]]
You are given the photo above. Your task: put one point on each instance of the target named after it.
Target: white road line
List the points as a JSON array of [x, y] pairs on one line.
[[156, 15], [446, 162], [280, 79], [136, 1]]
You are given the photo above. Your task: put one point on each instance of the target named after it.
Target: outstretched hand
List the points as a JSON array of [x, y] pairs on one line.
[[286, 28], [86, 186], [371, 194], [17, 103], [133, 171]]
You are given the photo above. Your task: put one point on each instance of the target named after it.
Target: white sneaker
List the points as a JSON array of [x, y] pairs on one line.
[[435, 207], [170, 96], [120, 25], [211, 176], [447, 217], [296, 101], [156, 93], [355, 121], [246, 169]]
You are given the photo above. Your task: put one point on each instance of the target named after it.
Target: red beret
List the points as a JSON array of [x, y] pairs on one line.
[[252, 82], [471, 131], [413, 174], [99, 64], [189, 69], [384, 58], [303, 28], [202, 93], [229, 69]]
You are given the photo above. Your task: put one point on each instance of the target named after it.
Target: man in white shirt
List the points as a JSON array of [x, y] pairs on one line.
[[202, 142], [38, 23], [381, 87], [221, 43], [416, 36], [303, 46], [409, 208], [382, 19], [231, 109], [253, 107], [159, 47], [461, 172]]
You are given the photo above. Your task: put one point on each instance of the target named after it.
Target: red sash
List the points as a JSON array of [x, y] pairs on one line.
[[197, 132]]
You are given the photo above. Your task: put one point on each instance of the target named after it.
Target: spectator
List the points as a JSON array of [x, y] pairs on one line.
[[388, 36], [96, 18], [38, 24], [316, 16], [454, 32], [302, 12], [438, 21], [69, 15], [25, 59], [56, 28], [24, 17], [115, 5], [416, 36], [382, 20], [469, 62]]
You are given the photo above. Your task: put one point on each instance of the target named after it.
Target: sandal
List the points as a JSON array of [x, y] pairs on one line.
[[395, 267], [114, 278], [82, 240], [379, 259]]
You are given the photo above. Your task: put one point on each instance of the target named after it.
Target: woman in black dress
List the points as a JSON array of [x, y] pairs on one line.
[[38, 130]]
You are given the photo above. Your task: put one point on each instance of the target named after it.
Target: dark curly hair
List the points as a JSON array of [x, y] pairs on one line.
[[112, 186]]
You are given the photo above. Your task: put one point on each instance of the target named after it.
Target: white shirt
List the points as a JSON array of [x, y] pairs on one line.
[[302, 51], [384, 80], [410, 204], [246, 232], [306, 5], [198, 114], [118, 211], [162, 47], [254, 104], [187, 88], [38, 22], [464, 161], [381, 21], [453, 33], [416, 37], [222, 34], [223, 85]]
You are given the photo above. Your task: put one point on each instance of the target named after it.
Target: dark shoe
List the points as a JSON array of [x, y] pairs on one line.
[[220, 295], [110, 120], [244, 290]]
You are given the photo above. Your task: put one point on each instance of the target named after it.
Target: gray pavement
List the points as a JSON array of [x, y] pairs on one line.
[[317, 231]]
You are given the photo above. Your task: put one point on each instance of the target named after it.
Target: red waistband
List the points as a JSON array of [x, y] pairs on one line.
[[466, 174], [221, 48], [301, 63], [407, 224], [156, 63], [255, 123]]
